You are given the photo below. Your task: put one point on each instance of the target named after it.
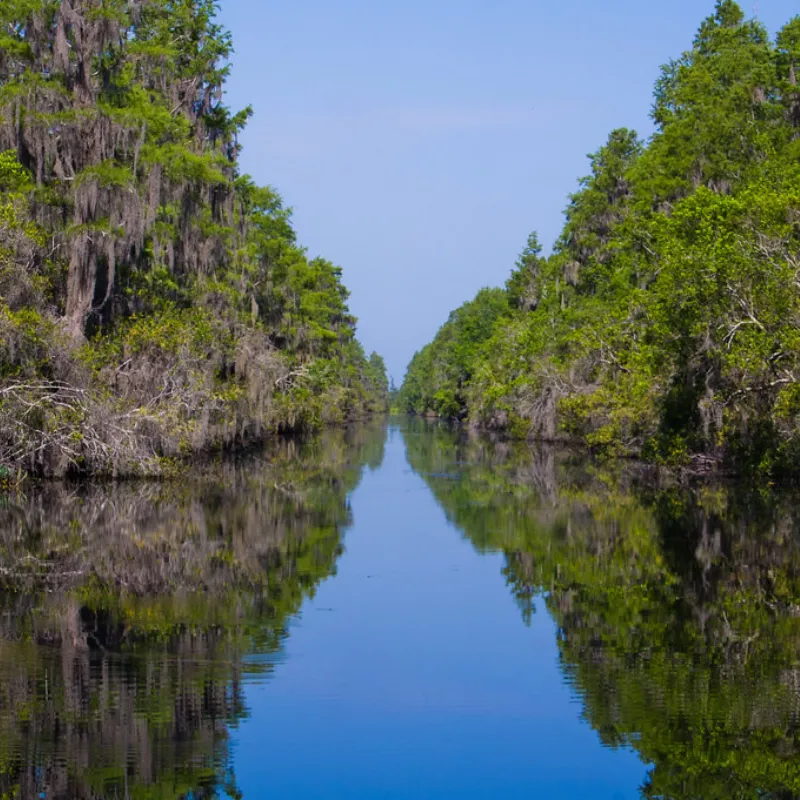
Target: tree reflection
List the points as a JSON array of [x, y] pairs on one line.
[[130, 615], [677, 610]]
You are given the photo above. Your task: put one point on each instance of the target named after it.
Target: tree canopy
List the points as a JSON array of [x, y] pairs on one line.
[[666, 321], [147, 286]]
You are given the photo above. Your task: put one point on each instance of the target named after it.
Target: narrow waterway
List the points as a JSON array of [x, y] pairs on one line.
[[400, 611], [412, 673]]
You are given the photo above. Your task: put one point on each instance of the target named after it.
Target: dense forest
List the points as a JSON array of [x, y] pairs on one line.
[[666, 321], [154, 302], [676, 611]]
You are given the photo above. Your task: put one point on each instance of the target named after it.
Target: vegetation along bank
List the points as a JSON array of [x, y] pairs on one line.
[[666, 321], [154, 301]]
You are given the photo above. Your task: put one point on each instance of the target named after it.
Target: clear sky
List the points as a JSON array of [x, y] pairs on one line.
[[420, 141]]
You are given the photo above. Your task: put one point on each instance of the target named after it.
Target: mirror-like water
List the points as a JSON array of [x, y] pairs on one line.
[[401, 612]]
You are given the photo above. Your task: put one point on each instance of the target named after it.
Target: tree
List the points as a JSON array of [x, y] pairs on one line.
[[523, 284], [193, 317], [715, 108], [788, 62], [665, 323]]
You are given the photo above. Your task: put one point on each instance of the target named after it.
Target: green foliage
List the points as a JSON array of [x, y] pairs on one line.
[[666, 323], [166, 287], [523, 285], [438, 374], [13, 176]]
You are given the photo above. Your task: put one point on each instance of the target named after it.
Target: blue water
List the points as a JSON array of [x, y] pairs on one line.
[[401, 611], [411, 674]]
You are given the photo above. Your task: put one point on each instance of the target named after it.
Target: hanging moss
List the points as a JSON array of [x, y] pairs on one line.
[[128, 217]]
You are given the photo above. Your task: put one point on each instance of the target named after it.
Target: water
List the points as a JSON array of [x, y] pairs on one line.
[[401, 612]]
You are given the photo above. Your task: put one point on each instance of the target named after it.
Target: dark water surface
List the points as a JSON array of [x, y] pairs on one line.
[[400, 612]]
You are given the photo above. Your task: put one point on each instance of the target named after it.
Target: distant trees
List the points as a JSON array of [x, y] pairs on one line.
[[439, 374]]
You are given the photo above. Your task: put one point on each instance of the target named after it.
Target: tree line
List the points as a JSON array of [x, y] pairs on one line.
[[154, 301], [666, 321]]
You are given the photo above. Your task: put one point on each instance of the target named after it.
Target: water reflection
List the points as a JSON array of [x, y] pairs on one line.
[[133, 616], [677, 611], [130, 615]]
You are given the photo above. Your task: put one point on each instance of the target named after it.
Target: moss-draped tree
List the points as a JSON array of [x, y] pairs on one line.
[[146, 285]]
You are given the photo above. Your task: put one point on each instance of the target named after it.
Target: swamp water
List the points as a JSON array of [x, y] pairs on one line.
[[400, 611]]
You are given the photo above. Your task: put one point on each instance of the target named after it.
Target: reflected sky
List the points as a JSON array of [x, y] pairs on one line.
[[412, 675], [409, 611]]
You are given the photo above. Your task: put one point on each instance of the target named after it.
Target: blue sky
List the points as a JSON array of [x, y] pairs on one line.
[[419, 142]]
